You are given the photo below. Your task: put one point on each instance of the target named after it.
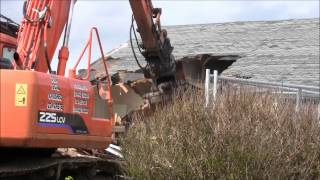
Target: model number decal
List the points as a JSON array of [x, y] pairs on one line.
[[55, 97], [55, 87], [80, 87], [49, 117], [73, 122], [55, 107], [81, 102]]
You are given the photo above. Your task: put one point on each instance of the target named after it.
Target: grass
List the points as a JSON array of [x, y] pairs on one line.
[[243, 136]]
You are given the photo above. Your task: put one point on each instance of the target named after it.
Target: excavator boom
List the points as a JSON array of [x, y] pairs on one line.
[[40, 31]]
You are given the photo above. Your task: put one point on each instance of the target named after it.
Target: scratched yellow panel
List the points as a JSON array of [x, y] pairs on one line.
[[21, 97]]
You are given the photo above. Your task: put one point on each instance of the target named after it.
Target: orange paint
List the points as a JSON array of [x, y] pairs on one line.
[[21, 126]]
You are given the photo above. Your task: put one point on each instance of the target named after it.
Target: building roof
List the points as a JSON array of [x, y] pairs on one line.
[[278, 51]]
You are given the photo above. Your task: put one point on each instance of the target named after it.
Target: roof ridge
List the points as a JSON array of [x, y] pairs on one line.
[[248, 21]]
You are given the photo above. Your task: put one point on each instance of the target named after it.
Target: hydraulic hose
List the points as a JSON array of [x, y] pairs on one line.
[[131, 43], [45, 44], [135, 35]]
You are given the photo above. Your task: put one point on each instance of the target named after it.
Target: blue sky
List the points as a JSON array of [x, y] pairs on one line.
[[112, 18]]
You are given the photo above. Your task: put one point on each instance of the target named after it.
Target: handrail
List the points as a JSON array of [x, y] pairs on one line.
[[249, 81], [299, 89], [72, 72]]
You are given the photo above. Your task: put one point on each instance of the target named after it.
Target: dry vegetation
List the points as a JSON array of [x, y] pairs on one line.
[[243, 136]]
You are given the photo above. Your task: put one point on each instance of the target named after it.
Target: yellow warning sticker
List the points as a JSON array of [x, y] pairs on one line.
[[21, 94]]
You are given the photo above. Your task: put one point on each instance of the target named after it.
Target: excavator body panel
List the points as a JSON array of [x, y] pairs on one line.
[[50, 111]]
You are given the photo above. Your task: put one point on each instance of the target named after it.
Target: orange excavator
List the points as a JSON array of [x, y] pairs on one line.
[[43, 109]]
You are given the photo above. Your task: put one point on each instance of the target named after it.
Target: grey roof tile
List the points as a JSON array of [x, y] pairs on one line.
[[286, 50]]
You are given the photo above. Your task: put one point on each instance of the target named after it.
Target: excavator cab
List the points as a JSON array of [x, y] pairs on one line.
[[8, 35]]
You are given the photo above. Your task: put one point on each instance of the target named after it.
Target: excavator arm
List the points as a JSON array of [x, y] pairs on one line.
[[44, 22], [143, 13], [156, 47]]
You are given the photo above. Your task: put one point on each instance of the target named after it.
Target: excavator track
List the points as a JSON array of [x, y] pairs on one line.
[[82, 167]]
